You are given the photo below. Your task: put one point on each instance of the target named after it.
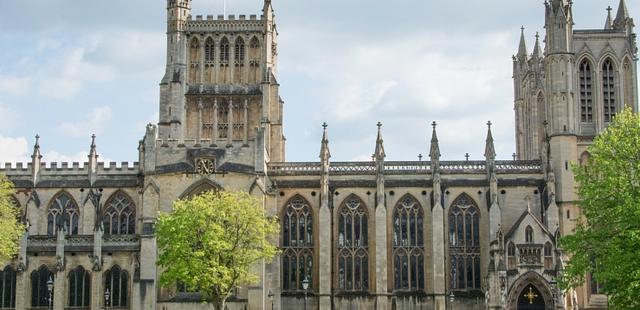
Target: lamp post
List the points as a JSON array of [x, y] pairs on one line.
[[106, 298], [305, 287], [50, 289], [270, 296], [452, 298]]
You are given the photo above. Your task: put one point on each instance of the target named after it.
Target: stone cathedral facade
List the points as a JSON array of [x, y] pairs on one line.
[[431, 234]]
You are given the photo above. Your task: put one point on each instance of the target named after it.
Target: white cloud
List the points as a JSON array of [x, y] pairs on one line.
[[64, 80], [94, 123], [57, 157], [13, 149], [13, 85], [9, 118]]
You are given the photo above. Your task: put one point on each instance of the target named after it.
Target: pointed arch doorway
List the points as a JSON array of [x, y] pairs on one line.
[[530, 292], [530, 298]]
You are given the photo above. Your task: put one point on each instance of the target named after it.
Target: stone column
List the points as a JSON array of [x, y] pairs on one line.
[[438, 246], [214, 134], [22, 277], [199, 131], [230, 124], [245, 138], [324, 225]]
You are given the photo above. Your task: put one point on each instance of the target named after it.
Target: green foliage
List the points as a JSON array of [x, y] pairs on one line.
[[10, 227], [606, 241], [210, 242]]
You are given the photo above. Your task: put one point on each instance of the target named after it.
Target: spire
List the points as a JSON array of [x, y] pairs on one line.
[[537, 51], [36, 161], [621, 17], [608, 24], [93, 159], [379, 153], [490, 150], [522, 49], [434, 152], [324, 149], [36, 149]]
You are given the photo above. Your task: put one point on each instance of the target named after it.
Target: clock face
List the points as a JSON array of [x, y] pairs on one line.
[[204, 166]]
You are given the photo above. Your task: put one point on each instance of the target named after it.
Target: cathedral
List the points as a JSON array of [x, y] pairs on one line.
[[432, 234]]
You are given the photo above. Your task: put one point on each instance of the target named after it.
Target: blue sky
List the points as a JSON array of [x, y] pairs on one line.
[[70, 68]]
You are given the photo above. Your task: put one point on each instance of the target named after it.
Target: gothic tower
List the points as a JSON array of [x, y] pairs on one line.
[[220, 89]]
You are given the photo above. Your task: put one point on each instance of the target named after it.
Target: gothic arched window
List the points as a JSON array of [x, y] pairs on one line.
[[408, 245], [627, 69], [39, 291], [209, 50], [297, 244], [63, 212], [464, 243], [511, 255], [7, 288], [608, 90], [117, 282], [239, 52], [353, 249], [119, 216], [548, 255], [224, 51], [586, 92], [79, 287], [528, 235]]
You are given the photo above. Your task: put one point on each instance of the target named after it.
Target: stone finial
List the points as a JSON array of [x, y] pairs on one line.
[[522, 47], [608, 24], [36, 149], [622, 17], [490, 150], [434, 151], [379, 152], [537, 50], [325, 154]]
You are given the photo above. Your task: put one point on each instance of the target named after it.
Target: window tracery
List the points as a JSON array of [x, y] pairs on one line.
[[353, 250], [117, 282], [7, 288], [548, 256], [408, 245], [63, 213], [464, 244], [608, 89], [79, 287], [39, 291], [224, 52], [586, 93], [209, 51], [119, 216], [239, 53], [297, 241]]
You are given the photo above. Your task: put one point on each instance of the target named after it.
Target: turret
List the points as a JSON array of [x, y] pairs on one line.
[[623, 21], [559, 26], [172, 86]]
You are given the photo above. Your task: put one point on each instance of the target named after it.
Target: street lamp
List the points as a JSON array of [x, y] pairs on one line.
[[305, 287], [270, 296], [452, 298], [106, 298], [50, 289]]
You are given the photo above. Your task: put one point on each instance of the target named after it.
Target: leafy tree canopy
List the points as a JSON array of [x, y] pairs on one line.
[[606, 241], [210, 242], [11, 229]]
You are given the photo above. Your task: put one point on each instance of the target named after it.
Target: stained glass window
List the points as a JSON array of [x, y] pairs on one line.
[[464, 244], [119, 216], [608, 90], [63, 212], [79, 287], [408, 245], [297, 244], [353, 249]]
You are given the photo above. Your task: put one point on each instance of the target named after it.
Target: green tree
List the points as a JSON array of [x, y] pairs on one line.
[[10, 227], [209, 243], [606, 241]]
